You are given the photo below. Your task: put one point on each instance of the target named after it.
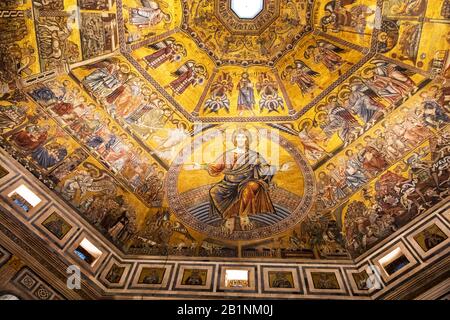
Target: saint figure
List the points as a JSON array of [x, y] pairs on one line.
[[246, 99]]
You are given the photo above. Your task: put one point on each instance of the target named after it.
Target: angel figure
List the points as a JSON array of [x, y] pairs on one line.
[[190, 73], [267, 87], [338, 14], [326, 53], [301, 75], [409, 41], [219, 94], [363, 101], [149, 15], [390, 81], [167, 146], [166, 50], [408, 7], [309, 139], [339, 120]]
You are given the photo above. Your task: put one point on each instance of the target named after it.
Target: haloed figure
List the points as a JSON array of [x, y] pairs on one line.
[[244, 190], [246, 99]]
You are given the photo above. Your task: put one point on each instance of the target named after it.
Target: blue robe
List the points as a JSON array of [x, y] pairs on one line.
[[356, 178], [43, 158], [246, 98]]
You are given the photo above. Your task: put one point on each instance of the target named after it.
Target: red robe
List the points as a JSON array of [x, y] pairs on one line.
[[26, 141]]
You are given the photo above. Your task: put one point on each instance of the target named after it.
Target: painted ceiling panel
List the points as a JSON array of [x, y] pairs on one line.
[[314, 130]]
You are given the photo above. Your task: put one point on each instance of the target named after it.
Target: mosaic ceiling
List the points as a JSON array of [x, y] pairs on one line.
[[309, 129]]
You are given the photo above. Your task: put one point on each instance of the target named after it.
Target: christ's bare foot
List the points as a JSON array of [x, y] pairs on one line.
[[228, 227], [246, 224]]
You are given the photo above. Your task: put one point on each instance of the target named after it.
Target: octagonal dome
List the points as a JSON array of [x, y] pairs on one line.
[[113, 120]]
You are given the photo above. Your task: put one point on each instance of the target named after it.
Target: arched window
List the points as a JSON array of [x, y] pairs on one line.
[[8, 297]]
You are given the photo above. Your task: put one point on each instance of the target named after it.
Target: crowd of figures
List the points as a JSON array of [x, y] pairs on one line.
[[81, 118], [397, 195], [163, 235], [92, 191], [54, 31], [364, 100], [89, 159], [47, 145], [320, 52], [353, 213], [50, 153], [382, 147], [355, 107], [144, 18], [187, 75], [129, 100], [17, 55], [397, 198], [98, 34]]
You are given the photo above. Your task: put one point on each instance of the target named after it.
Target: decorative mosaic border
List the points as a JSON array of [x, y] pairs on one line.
[[27, 280]]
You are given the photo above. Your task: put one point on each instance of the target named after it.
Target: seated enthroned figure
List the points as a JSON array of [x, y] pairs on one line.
[[244, 189]]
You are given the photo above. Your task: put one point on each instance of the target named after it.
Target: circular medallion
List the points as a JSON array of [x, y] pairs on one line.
[[236, 183]]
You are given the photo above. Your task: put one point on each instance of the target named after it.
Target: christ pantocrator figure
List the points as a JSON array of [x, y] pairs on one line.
[[244, 189]]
